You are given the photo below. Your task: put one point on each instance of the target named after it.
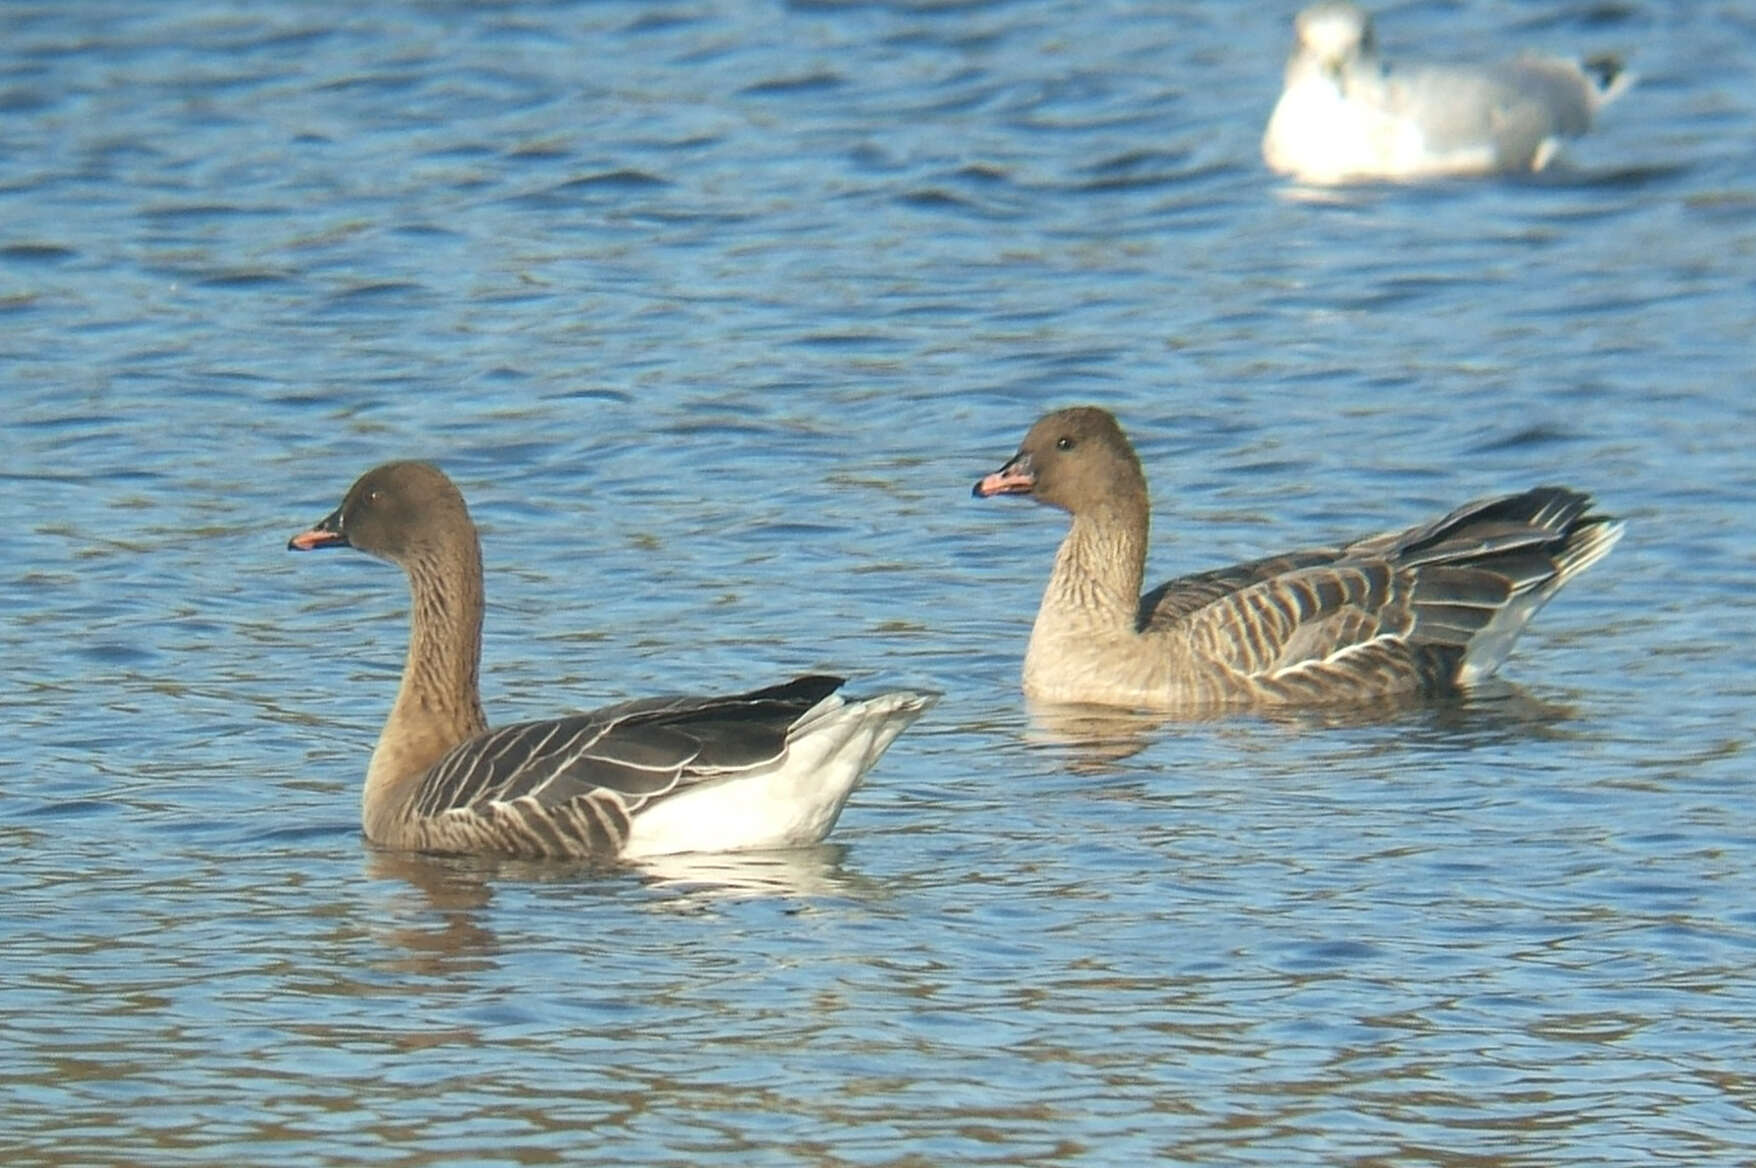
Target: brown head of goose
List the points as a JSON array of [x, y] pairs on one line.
[[764, 769], [1418, 612]]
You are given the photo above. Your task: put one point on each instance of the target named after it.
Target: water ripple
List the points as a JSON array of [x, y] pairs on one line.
[[715, 330]]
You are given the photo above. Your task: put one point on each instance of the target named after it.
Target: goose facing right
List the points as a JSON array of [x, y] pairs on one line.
[[770, 768], [1421, 612]]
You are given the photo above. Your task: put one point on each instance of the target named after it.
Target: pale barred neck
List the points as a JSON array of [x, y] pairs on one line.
[[1095, 587], [438, 704]]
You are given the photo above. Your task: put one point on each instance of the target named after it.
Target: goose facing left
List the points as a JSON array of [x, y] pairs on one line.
[[1426, 611], [766, 769]]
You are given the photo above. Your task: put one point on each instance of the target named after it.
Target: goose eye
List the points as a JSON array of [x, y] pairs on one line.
[[1063, 443]]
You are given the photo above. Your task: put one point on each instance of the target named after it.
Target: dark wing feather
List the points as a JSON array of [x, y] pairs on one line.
[[1539, 516], [1178, 598], [1301, 616], [637, 751], [1387, 611]]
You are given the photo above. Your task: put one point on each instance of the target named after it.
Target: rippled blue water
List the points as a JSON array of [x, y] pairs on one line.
[[715, 310]]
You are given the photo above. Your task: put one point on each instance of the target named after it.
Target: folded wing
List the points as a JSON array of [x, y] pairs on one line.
[[560, 783], [1418, 610]]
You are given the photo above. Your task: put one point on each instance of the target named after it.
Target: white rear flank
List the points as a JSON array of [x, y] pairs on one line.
[[792, 803]]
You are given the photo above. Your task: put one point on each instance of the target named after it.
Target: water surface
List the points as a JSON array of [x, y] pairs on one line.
[[715, 310]]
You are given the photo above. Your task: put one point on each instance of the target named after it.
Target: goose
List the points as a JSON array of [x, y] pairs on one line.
[[1422, 612], [771, 768], [1346, 116]]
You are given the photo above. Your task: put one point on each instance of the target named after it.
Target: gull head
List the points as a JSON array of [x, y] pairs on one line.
[[1334, 32]]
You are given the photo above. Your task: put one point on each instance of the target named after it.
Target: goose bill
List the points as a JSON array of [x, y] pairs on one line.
[[327, 533], [1015, 478]]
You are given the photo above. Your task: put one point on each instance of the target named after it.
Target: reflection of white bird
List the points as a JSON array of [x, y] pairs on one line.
[[1346, 115]]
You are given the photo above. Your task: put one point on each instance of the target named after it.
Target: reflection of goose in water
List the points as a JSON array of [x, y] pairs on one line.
[[1347, 115], [1096, 738], [448, 935], [804, 873]]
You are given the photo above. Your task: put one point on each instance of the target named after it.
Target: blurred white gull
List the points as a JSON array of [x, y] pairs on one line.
[[1347, 116]]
